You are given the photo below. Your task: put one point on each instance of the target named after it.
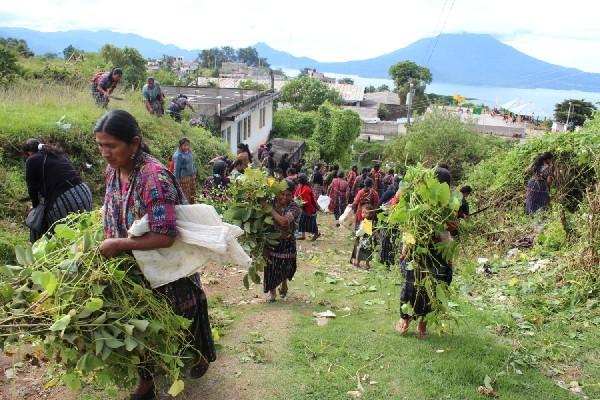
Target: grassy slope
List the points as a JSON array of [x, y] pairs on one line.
[[32, 110], [322, 362]]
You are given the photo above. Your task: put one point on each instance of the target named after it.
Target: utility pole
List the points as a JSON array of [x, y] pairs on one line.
[[568, 115], [409, 100]]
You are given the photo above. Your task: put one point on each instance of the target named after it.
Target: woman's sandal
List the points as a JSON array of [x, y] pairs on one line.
[[282, 293], [318, 235], [270, 300]]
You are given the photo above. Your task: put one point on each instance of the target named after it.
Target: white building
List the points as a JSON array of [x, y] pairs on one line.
[[242, 116]]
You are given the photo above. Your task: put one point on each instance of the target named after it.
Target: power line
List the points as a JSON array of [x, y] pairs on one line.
[[437, 38]]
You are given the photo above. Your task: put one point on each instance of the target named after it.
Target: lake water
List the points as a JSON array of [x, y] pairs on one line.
[[544, 99]]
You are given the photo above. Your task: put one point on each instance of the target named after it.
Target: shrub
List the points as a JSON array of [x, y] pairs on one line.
[[441, 136], [289, 123]]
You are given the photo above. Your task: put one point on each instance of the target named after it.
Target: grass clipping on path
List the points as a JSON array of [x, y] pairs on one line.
[[422, 216], [96, 317]]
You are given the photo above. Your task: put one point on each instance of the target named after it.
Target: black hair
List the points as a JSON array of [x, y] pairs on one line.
[[116, 71], [443, 165], [466, 189], [244, 147], [121, 125], [365, 171], [269, 145], [291, 186], [35, 146], [340, 174], [539, 161], [277, 171], [302, 179], [291, 171], [336, 167], [368, 183], [219, 167], [285, 156], [376, 167], [271, 153], [391, 171], [354, 168], [183, 141]]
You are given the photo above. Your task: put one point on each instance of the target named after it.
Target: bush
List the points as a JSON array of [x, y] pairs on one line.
[[335, 131], [288, 123], [441, 136], [307, 94]]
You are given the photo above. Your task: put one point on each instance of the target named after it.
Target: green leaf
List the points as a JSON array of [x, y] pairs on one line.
[[62, 231], [246, 282], [6, 291], [176, 388], [72, 381], [487, 382], [46, 279], [139, 324], [128, 328], [61, 324], [24, 255], [94, 304], [39, 248], [130, 343], [253, 275], [89, 362], [100, 320], [99, 343]]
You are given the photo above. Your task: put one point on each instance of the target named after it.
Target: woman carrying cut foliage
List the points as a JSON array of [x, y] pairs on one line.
[[281, 260], [538, 195], [136, 185], [338, 192], [308, 219], [185, 170]]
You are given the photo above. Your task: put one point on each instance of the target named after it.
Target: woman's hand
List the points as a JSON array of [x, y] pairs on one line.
[[110, 248]]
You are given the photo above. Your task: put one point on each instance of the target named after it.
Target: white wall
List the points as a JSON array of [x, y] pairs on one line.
[[258, 135]]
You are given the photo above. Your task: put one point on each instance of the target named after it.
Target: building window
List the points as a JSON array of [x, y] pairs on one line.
[[223, 135], [263, 117], [239, 133], [229, 135], [245, 128], [249, 124]]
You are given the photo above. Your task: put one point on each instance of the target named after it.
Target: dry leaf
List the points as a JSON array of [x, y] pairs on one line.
[[487, 392]]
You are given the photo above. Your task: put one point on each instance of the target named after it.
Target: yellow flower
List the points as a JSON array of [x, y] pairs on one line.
[[270, 181], [368, 226], [408, 238]]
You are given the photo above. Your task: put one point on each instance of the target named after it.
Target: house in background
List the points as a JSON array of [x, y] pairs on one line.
[[241, 116]]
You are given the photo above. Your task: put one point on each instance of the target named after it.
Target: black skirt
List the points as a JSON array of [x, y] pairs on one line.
[[281, 265], [186, 298], [386, 254], [308, 223], [412, 292], [340, 207], [538, 197]]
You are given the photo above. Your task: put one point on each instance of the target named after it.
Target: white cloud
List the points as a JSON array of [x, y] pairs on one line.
[[565, 33]]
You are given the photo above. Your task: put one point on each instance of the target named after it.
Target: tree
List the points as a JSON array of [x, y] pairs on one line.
[[229, 54], [383, 88], [346, 81], [406, 72], [9, 69], [442, 136], [71, 50], [130, 60], [307, 94], [335, 131], [580, 111], [383, 112], [290, 123], [19, 46]]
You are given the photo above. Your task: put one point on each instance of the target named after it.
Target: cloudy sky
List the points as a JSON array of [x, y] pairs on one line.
[[562, 32]]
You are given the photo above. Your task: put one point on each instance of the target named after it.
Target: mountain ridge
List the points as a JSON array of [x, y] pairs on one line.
[[458, 58]]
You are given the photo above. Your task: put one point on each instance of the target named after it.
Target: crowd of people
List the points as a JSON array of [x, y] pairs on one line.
[[138, 184]]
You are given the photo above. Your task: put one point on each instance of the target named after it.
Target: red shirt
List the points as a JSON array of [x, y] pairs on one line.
[[306, 194]]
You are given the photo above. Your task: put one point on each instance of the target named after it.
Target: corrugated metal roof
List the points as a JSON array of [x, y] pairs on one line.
[[350, 93], [364, 113], [383, 98]]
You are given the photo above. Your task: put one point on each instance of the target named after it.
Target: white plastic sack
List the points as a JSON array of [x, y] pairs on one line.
[[347, 218], [201, 238], [323, 202]]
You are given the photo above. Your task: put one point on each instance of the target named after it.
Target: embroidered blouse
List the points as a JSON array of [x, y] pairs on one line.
[[151, 189]]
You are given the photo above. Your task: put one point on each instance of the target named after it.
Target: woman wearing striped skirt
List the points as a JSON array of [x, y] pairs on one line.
[[338, 193], [308, 219], [52, 179], [281, 260], [185, 170]]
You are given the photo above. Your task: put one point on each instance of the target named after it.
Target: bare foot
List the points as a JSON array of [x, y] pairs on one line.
[[315, 237], [402, 326], [421, 329]]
